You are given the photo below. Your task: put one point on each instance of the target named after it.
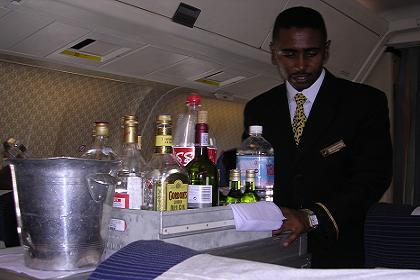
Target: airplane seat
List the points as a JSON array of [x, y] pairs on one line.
[[392, 237]]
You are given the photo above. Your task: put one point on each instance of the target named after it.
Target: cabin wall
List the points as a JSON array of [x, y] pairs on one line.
[[382, 77], [53, 112]]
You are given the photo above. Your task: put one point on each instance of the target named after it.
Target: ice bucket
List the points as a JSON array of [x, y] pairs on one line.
[[63, 208]]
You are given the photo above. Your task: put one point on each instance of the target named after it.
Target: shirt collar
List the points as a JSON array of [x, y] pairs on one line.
[[310, 92]]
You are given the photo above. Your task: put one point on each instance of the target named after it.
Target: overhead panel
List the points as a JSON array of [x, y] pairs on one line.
[[143, 61], [16, 26], [50, 38], [95, 49], [250, 87]]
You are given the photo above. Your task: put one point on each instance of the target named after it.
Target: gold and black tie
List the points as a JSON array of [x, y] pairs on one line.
[[299, 119]]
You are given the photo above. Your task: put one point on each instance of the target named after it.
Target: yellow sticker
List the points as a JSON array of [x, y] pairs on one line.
[[163, 140], [74, 53], [176, 196], [208, 82]]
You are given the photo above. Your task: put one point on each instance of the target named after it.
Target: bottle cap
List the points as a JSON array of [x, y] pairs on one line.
[[193, 99], [234, 174], [164, 119], [130, 120], [202, 116], [250, 175], [101, 128], [255, 129]]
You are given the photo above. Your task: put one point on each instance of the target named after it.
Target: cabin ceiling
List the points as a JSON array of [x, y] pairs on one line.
[[226, 53]]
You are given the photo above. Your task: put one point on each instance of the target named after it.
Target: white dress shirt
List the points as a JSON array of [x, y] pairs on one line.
[[310, 94]]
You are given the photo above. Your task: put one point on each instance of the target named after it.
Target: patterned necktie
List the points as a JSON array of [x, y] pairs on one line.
[[299, 119]]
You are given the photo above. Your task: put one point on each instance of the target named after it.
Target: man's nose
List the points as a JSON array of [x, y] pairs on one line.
[[301, 62]]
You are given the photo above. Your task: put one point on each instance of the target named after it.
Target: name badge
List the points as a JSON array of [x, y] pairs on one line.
[[333, 148]]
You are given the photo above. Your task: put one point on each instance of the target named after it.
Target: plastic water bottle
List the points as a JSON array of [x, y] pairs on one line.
[[257, 153], [184, 136]]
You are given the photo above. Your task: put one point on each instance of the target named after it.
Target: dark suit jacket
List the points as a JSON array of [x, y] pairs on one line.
[[338, 187]]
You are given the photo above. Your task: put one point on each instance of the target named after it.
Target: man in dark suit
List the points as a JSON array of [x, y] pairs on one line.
[[333, 153]]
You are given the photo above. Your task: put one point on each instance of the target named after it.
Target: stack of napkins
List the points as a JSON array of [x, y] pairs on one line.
[[259, 216]]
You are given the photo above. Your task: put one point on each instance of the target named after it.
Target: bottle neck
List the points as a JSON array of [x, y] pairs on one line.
[[249, 186], [202, 134], [100, 141], [130, 135]]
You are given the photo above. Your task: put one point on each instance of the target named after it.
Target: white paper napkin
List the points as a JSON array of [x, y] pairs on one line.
[[259, 216], [416, 211]]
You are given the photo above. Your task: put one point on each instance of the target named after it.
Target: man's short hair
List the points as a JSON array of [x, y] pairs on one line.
[[299, 17]]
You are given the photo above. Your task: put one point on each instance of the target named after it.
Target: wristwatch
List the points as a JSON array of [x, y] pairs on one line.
[[313, 220]]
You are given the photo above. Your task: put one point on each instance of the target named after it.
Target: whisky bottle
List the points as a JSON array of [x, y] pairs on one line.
[[203, 190], [99, 148], [235, 193], [166, 181], [249, 195], [129, 193]]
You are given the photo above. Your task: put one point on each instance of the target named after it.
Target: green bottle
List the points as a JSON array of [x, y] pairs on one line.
[[235, 194], [250, 195]]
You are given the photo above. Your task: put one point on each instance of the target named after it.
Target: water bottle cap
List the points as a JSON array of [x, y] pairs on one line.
[[193, 98], [255, 129]]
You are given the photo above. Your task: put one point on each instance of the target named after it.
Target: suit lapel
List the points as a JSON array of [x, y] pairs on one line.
[[284, 122], [322, 114]]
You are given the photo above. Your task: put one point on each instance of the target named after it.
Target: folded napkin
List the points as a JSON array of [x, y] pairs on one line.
[[258, 216], [416, 211]]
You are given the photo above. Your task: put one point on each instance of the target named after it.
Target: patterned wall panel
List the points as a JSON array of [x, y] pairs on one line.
[[53, 112]]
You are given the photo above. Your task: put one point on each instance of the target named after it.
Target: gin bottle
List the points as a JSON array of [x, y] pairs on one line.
[[166, 181], [99, 148], [129, 193], [203, 190]]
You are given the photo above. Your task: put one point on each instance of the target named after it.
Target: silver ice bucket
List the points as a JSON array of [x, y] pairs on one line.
[[63, 208]]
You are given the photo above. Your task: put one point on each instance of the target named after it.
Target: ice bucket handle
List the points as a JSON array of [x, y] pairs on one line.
[[98, 185]]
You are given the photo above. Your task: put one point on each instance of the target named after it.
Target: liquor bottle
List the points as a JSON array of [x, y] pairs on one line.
[[203, 190], [257, 153], [183, 142], [249, 195], [99, 148], [235, 193], [13, 148], [129, 193], [166, 181]]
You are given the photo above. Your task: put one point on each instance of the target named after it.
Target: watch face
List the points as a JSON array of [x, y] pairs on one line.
[[313, 221]]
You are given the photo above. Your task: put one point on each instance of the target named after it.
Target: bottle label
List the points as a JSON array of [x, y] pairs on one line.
[[199, 194], [163, 140], [204, 139], [121, 200], [135, 191], [176, 196], [184, 154], [212, 152], [263, 166]]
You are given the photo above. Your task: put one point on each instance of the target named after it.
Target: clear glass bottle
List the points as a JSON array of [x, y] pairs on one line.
[[203, 190], [235, 193], [183, 141], [257, 153], [129, 193], [166, 181], [99, 148], [250, 194]]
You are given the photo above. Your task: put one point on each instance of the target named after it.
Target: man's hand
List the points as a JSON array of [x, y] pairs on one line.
[[296, 221]]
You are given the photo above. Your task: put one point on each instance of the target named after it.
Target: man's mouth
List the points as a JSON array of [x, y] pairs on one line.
[[300, 77]]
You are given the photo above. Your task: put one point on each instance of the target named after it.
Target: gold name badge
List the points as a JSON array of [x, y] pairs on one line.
[[333, 148]]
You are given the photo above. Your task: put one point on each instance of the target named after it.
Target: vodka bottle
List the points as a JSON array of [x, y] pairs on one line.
[[249, 195], [235, 193], [257, 153], [203, 190], [99, 148], [183, 142], [166, 181], [129, 193]]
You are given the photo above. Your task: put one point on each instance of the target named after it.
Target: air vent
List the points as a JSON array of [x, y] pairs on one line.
[[96, 50], [220, 79], [186, 15]]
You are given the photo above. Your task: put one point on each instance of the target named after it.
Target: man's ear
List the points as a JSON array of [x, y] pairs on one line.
[[273, 55]]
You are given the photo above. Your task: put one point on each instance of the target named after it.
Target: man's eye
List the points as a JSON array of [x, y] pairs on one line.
[[288, 53], [311, 53]]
